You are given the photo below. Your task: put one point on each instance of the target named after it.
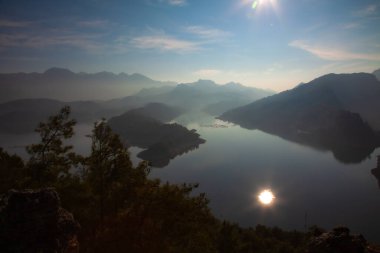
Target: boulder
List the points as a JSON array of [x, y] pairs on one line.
[[34, 221], [338, 240]]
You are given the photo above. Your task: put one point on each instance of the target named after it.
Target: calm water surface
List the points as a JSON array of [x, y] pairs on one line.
[[235, 164]]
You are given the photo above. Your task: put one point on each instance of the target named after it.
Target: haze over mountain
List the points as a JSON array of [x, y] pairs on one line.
[[206, 95], [330, 112], [63, 84], [23, 115]]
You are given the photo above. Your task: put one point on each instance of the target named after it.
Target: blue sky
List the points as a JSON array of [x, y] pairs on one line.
[[277, 45]]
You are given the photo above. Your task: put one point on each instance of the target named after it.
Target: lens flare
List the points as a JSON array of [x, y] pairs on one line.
[[254, 4], [266, 197], [259, 5]]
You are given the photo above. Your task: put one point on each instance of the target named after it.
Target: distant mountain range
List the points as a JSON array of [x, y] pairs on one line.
[[23, 115], [63, 84], [339, 112], [205, 95]]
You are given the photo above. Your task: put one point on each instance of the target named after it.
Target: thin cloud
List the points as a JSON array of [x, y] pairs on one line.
[[207, 73], [175, 2], [367, 11], [14, 24], [350, 26], [164, 43], [24, 40], [159, 40], [34, 35], [333, 54], [207, 33], [94, 24]]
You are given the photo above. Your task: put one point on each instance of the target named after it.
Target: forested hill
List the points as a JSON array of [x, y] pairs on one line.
[[334, 111], [143, 128]]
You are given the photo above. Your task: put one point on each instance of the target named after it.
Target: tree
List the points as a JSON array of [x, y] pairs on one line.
[[110, 173], [50, 159], [12, 171], [138, 214]]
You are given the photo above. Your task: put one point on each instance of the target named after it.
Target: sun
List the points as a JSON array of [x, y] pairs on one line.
[[266, 197], [258, 4]]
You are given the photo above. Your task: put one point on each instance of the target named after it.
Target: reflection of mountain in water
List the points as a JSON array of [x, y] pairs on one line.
[[345, 134], [162, 142], [328, 113]]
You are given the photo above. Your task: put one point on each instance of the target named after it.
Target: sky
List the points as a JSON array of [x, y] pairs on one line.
[[270, 44]]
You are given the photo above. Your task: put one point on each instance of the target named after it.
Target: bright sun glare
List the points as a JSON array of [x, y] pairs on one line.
[[256, 4], [266, 197]]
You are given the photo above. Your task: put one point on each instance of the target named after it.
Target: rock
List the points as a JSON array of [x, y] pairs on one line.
[[338, 240], [33, 221]]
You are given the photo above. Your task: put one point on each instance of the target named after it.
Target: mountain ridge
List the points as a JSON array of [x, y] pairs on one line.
[[330, 112], [64, 84]]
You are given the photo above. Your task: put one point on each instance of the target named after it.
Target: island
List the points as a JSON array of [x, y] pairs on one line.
[[161, 141]]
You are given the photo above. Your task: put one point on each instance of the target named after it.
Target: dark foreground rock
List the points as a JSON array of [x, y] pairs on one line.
[[33, 221], [339, 240]]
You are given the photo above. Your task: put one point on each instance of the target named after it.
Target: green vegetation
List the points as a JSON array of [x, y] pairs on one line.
[[120, 209]]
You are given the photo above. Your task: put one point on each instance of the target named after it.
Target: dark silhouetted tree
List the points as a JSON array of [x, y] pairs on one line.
[[51, 159], [12, 172], [111, 179]]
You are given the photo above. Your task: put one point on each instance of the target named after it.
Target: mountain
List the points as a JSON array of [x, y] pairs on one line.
[[150, 92], [206, 95], [163, 103], [377, 74], [158, 111], [23, 116], [63, 84], [334, 112]]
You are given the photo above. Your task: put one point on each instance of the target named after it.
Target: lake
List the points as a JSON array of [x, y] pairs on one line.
[[235, 164]]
